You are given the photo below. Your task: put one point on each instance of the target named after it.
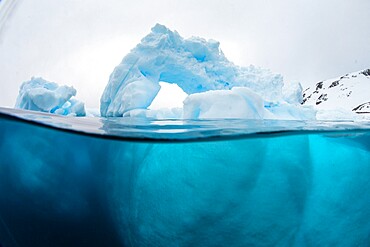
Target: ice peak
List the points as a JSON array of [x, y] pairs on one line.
[[161, 38], [160, 29]]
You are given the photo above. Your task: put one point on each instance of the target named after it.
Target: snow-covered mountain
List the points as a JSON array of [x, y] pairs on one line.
[[349, 92]]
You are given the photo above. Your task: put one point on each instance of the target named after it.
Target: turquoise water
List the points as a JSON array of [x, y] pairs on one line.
[[130, 182]]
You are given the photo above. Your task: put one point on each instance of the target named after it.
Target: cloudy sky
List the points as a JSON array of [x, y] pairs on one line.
[[78, 42]]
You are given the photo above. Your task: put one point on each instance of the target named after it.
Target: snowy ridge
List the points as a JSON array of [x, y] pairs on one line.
[[348, 93]]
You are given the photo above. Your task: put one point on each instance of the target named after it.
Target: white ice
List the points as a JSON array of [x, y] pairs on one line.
[[239, 102], [41, 95]]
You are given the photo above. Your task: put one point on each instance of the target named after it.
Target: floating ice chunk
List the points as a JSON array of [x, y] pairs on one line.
[[41, 95], [194, 64], [239, 102]]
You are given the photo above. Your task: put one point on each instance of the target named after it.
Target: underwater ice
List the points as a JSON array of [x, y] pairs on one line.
[[200, 69], [309, 189], [41, 95]]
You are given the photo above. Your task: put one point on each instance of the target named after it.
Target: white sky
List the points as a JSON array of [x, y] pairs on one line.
[[170, 95], [79, 42]]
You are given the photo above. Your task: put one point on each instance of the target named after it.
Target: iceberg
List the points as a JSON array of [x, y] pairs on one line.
[[197, 66], [41, 95], [219, 187]]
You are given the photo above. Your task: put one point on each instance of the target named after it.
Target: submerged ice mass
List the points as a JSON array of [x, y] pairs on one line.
[[41, 95], [198, 67], [305, 188]]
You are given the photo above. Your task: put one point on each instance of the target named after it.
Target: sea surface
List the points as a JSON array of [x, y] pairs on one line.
[[68, 181]]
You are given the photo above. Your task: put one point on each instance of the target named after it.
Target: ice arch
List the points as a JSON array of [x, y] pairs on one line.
[[194, 64]]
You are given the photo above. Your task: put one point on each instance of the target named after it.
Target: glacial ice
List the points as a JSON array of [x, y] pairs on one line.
[[41, 95], [198, 67], [239, 102], [308, 189]]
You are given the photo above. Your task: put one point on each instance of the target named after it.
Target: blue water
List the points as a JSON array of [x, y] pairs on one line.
[[131, 182]]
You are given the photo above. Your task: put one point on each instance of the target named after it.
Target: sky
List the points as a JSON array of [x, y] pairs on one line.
[[79, 42]]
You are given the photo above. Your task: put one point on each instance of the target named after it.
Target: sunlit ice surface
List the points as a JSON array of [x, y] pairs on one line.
[[143, 182]]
